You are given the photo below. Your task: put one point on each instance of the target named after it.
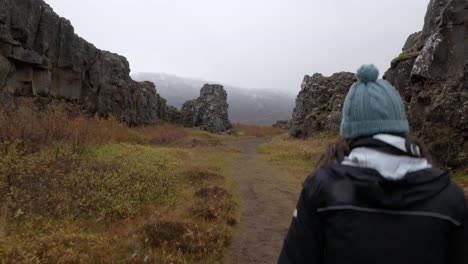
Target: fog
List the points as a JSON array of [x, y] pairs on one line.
[[247, 43]]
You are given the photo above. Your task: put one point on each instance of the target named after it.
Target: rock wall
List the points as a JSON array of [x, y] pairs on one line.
[[432, 75], [209, 111], [318, 105], [41, 56]]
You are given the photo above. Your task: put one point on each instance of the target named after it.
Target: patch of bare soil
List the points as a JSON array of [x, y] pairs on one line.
[[268, 201]]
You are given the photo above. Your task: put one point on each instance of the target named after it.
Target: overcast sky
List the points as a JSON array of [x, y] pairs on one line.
[[247, 43]]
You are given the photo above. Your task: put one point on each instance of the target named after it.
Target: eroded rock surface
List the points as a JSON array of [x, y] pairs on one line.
[[431, 74], [41, 56], [319, 103], [209, 111], [434, 80]]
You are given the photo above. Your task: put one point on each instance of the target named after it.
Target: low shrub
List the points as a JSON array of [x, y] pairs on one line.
[[196, 175], [60, 245], [80, 189], [258, 131], [196, 240], [214, 204], [165, 134], [59, 123], [110, 181]]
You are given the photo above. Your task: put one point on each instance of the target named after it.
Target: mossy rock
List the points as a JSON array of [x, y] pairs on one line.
[[404, 57], [317, 115]]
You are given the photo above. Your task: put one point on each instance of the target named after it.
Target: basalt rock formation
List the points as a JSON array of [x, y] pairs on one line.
[[246, 106], [42, 57], [209, 111], [432, 76], [319, 103]]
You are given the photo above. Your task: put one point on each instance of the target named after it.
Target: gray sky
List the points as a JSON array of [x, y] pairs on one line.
[[247, 43]]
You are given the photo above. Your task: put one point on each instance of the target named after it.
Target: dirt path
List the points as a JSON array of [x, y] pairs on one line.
[[268, 201]]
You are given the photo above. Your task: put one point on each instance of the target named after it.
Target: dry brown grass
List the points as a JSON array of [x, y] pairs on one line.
[[60, 122], [298, 157], [165, 134], [214, 203], [258, 131], [196, 240], [199, 175], [81, 189]]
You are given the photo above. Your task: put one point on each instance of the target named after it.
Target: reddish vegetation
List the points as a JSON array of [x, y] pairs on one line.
[[87, 189], [164, 134], [59, 122], [258, 131]]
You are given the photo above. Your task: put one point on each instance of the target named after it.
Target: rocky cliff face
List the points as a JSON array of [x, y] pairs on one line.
[[41, 56], [318, 105], [432, 75], [209, 111]]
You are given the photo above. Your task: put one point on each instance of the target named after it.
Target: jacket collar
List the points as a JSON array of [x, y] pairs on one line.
[[373, 153]]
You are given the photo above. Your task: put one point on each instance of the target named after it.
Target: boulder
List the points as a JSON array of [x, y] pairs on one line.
[[41, 56], [319, 103], [209, 111]]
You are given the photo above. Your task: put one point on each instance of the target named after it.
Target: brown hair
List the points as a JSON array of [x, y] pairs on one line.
[[335, 153]]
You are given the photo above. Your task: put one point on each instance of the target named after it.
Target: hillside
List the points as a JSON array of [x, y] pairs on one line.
[[250, 106]]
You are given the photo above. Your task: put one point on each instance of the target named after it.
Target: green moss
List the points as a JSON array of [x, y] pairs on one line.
[[87, 204], [405, 56], [101, 182], [317, 116]]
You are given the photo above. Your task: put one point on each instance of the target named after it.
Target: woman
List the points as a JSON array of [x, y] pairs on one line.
[[377, 199]]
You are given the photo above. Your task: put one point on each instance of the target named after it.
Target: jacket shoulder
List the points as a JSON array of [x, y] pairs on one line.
[[319, 185], [320, 178], [455, 199]]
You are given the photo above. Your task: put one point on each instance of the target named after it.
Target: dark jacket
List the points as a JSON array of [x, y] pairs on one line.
[[348, 214]]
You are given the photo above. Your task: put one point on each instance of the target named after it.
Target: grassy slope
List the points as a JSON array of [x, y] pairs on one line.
[[89, 190], [295, 156], [111, 202]]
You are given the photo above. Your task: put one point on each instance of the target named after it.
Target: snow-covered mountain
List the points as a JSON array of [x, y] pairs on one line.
[[249, 106]]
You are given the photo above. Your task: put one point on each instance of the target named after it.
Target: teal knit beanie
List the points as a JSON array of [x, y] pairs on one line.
[[372, 107]]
